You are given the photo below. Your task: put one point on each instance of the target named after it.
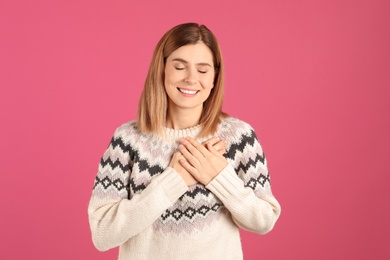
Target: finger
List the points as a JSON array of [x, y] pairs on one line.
[[220, 145], [201, 150], [194, 147], [191, 169], [213, 150], [193, 160], [212, 141], [177, 155], [222, 151]]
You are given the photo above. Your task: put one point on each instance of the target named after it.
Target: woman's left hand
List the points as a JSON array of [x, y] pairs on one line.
[[204, 163]]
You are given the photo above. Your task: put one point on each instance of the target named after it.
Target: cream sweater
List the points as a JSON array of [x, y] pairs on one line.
[[143, 206]]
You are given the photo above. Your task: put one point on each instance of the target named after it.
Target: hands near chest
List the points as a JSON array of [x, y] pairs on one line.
[[197, 162]]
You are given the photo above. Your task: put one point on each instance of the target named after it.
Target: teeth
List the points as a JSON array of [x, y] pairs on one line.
[[190, 92]]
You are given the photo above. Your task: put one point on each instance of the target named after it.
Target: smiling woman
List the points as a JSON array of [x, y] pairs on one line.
[[153, 106], [179, 182]]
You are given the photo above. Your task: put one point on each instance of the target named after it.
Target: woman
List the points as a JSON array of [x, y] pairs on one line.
[[180, 181]]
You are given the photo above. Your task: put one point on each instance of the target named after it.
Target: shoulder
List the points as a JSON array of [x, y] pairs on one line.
[[234, 128], [127, 131], [242, 140], [130, 126]]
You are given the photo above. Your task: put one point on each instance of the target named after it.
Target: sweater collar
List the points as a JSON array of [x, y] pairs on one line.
[[181, 133]]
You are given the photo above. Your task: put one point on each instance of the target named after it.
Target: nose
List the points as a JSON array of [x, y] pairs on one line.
[[191, 78], [190, 81]]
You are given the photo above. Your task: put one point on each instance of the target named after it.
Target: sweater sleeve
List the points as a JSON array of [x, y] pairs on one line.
[[113, 217], [244, 186]]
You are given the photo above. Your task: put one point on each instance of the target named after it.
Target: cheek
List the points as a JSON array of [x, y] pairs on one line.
[[208, 82], [172, 78]]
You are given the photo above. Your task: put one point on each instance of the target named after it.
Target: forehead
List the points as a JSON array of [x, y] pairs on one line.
[[193, 53]]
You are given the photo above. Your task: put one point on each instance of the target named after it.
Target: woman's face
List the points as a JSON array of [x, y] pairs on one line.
[[189, 77]]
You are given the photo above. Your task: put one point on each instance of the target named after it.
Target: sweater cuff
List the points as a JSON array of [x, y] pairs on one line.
[[226, 183], [172, 183]]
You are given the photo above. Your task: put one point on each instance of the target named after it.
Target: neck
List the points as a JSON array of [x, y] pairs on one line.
[[183, 118]]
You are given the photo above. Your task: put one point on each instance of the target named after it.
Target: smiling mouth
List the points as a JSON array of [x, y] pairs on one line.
[[189, 92]]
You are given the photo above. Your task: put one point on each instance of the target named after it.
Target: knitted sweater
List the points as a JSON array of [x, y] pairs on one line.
[[143, 206]]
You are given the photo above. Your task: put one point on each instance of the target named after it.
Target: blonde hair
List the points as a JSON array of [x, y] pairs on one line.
[[153, 105]]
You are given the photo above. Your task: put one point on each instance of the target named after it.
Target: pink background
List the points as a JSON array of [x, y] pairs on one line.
[[312, 77]]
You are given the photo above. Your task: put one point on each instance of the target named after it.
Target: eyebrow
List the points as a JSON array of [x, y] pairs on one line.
[[186, 62]]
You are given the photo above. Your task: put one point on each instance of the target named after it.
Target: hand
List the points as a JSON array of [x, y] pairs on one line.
[[217, 143], [175, 164], [204, 163]]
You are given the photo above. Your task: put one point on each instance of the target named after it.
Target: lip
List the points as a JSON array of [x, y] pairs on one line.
[[187, 92]]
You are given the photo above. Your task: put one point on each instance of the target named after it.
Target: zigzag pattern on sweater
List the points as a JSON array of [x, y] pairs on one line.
[[198, 207], [144, 165], [107, 182], [192, 193], [199, 199], [114, 164], [190, 212], [262, 180], [251, 163], [249, 141]]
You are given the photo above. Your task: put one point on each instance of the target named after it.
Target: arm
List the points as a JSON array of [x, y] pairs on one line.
[[245, 187], [113, 217]]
